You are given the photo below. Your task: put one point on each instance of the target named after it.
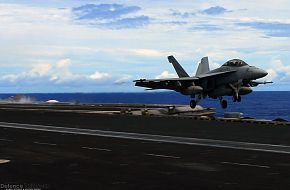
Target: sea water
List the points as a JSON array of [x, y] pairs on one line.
[[261, 105]]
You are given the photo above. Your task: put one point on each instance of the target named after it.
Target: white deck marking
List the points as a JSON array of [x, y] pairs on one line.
[[161, 155], [244, 164], [94, 148], [44, 143], [8, 140], [4, 161], [281, 149]]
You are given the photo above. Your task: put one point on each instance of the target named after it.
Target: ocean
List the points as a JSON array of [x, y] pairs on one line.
[[261, 105]]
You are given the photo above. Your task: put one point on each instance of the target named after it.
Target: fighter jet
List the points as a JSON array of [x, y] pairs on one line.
[[234, 78]]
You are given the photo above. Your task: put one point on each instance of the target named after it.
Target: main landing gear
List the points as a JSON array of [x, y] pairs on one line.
[[224, 103], [237, 99], [195, 99]]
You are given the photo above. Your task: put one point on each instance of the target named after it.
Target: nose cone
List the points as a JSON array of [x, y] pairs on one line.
[[261, 73], [254, 73]]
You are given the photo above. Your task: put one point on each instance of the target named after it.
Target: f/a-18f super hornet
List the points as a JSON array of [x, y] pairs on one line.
[[234, 78]]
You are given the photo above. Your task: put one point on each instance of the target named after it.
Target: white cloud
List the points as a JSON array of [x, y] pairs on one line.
[[64, 63], [17, 13], [40, 70], [124, 79], [47, 33], [165, 74], [214, 65], [57, 73], [272, 74], [98, 75], [9, 77], [62, 73], [147, 52], [53, 77], [278, 72]]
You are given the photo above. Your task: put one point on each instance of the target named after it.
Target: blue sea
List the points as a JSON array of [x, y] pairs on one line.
[[261, 105]]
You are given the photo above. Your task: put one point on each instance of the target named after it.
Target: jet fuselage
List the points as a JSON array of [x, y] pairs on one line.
[[219, 85], [234, 78]]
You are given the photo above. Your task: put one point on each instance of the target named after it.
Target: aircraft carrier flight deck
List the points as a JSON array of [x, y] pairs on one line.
[[118, 146]]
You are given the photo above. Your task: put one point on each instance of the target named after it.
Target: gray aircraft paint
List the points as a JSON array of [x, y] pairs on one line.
[[179, 70], [203, 67], [234, 78]]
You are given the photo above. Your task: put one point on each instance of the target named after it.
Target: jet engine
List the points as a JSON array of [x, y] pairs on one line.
[[227, 91], [221, 91], [192, 90]]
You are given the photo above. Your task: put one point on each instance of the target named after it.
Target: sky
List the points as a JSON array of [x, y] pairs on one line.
[[102, 46]]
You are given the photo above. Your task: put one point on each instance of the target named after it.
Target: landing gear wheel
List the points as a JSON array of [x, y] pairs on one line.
[[192, 104], [224, 104], [239, 99]]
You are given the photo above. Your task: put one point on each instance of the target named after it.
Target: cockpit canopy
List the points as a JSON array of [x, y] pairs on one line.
[[235, 63]]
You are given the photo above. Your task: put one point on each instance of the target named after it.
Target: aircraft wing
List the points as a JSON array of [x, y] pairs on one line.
[[167, 79], [174, 83], [185, 78], [169, 83]]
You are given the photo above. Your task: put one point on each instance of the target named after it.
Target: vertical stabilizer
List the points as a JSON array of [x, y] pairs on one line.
[[203, 66], [179, 70]]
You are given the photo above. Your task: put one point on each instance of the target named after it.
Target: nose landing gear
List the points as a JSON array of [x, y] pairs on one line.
[[236, 89]]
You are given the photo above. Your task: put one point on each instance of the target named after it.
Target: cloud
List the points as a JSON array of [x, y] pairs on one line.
[[177, 13], [178, 23], [98, 76], [91, 43], [112, 16], [272, 29], [279, 72], [151, 53], [165, 74], [217, 10], [103, 11], [39, 70], [61, 72], [124, 79], [9, 77], [64, 63], [17, 13], [214, 65], [146, 52], [55, 73], [205, 27], [134, 22], [272, 74]]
